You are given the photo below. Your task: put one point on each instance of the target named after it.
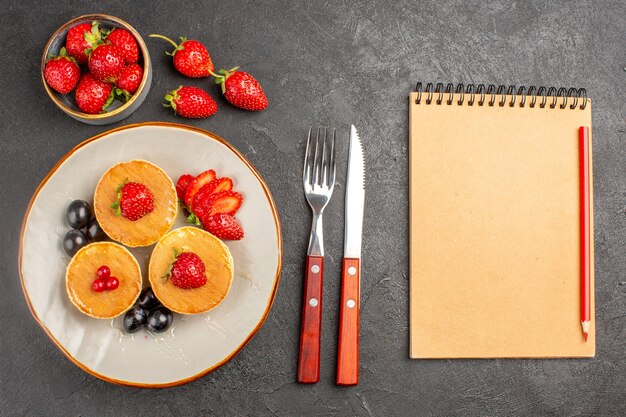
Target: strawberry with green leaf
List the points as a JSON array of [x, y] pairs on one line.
[[191, 58], [186, 270], [93, 96], [134, 200], [191, 102], [241, 89], [128, 82], [81, 39], [62, 72]]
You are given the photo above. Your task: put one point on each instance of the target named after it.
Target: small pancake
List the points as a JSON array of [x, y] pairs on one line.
[[152, 226], [81, 273], [219, 270]]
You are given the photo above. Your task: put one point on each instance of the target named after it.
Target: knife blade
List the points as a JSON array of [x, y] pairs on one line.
[[355, 197], [348, 345]]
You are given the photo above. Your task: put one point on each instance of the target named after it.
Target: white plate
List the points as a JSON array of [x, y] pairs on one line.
[[195, 345]]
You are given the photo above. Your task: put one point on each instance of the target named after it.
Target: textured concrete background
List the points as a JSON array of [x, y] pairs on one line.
[[336, 62]]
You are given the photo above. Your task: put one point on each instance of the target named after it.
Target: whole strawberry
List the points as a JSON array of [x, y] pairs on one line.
[[81, 38], [61, 72], [186, 271], [134, 200], [93, 96], [190, 102], [106, 63], [223, 226], [128, 81], [241, 89], [191, 58], [125, 43]]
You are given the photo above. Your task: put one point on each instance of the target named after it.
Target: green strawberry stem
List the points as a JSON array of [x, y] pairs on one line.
[[193, 219], [168, 273], [171, 98], [62, 54], [122, 94], [116, 206], [109, 101], [178, 47], [221, 79], [94, 38]]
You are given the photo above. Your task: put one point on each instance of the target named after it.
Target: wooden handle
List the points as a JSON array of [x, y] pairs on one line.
[[309, 359], [348, 351]]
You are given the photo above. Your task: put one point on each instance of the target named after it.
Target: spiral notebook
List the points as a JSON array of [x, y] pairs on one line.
[[494, 222]]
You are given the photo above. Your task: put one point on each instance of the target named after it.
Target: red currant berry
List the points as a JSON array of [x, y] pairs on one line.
[[98, 285], [103, 272], [112, 283]]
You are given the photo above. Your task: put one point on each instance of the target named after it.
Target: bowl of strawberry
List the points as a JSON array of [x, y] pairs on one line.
[[96, 68]]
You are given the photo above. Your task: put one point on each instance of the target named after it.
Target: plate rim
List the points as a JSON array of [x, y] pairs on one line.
[[275, 215]]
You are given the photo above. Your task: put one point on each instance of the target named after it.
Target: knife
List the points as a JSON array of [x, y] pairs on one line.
[[348, 350]]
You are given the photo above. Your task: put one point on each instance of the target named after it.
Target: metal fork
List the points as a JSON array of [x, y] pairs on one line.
[[318, 177]]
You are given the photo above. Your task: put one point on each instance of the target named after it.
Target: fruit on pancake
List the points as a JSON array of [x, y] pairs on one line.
[[134, 200], [99, 285], [186, 270], [112, 283], [104, 280], [103, 272]]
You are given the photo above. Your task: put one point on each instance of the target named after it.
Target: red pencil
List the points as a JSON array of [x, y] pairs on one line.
[[585, 273]]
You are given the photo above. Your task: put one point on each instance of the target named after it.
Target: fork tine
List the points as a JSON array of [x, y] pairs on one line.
[[316, 162], [306, 170], [325, 162], [333, 165]]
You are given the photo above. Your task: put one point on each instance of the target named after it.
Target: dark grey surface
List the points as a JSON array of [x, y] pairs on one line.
[[336, 62]]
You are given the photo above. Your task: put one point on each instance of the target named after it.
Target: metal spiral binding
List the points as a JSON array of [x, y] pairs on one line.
[[522, 94]]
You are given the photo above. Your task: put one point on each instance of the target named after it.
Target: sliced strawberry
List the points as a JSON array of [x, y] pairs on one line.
[[181, 185], [215, 186], [227, 202], [193, 188], [207, 205], [201, 201], [224, 226], [220, 184]]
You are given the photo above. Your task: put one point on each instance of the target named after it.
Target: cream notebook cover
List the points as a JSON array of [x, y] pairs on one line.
[[494, 225]]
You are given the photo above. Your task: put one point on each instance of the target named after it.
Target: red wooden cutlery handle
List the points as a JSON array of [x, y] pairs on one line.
[[348, 350], [309, 359]]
